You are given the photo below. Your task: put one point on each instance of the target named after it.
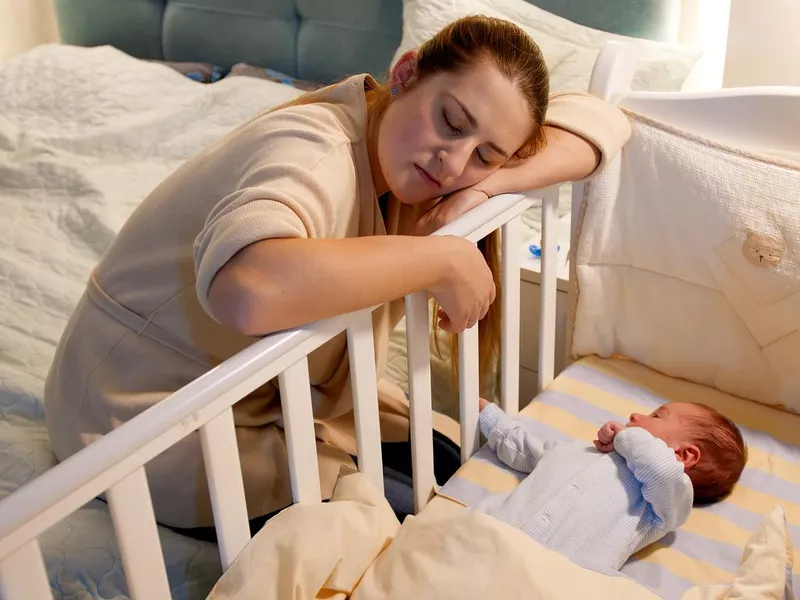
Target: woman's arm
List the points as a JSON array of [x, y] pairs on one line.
[[282, 283], [582, 133], [566, 157]]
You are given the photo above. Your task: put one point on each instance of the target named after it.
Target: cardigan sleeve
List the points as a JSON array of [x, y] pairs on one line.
[[601, 123]]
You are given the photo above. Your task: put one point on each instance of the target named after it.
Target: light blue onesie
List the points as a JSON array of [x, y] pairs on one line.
[[598, 509]]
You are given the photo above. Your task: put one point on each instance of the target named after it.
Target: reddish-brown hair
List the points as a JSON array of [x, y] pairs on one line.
[[723, 455], [459, 46]]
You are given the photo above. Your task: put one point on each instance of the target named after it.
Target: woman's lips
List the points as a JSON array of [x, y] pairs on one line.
[[427, 178]]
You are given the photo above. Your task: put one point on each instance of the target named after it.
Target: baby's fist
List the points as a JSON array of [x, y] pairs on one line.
[[606, 434]]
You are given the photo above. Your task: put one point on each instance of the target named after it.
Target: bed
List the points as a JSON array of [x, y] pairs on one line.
[[83, 141], [708, 548]]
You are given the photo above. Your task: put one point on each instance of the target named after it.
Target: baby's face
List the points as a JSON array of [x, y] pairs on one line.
[[668, 422]]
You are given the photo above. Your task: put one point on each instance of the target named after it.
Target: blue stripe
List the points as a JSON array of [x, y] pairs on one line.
[[582, 409], [746, 519], [629, 391], [618, 387], [465, 491], [542, 430], [718, 554], [659, 579], [767, 483], [488, 455]]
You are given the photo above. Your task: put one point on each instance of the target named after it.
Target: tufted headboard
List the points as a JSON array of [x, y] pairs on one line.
[[320, 40]]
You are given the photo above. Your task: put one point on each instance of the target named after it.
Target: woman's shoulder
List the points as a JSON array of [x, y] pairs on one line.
[[331, 116]]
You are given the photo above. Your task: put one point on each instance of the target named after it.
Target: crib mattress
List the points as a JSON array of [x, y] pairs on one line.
[[708, 548]]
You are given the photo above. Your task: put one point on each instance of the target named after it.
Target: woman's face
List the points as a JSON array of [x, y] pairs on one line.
[[450, 131]]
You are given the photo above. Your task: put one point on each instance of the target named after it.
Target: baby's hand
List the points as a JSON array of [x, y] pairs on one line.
[[606, 434], [482, 403]]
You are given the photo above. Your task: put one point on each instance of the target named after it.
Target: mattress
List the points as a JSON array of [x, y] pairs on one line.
[[708, 548], [85, 134]]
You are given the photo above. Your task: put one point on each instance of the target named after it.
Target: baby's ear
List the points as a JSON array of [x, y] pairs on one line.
[[688, 454]]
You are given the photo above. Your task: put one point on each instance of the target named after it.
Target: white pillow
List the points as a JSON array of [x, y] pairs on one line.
[[570, 50]]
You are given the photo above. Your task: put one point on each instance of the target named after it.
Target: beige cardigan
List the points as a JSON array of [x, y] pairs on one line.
[[142, 330]]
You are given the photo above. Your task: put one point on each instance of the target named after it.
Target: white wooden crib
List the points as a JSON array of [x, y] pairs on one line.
[[764, 119]]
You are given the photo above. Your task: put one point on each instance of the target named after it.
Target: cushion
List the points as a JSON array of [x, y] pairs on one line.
[[688, 261], [200, 72], [245, 70], [569, 49], [766, 569]]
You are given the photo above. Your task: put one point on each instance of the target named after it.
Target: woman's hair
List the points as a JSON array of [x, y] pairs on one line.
[[723, 455], [457, 47]]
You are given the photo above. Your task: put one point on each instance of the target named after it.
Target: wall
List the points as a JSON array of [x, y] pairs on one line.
[[763, 43], [24, 24]]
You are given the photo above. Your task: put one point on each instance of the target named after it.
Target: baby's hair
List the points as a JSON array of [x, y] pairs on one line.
[[723, 455]]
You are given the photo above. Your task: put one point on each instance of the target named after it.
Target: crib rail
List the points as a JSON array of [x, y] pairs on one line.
[[115, 464]]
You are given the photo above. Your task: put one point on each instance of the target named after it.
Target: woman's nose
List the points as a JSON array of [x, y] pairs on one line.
[[452, 161]]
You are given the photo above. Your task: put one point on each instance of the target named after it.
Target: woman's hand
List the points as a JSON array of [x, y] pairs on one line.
[[467, 288], [448, 209], [606, 435]]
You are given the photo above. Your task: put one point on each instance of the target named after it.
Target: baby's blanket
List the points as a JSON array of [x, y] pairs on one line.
[[354, 548]]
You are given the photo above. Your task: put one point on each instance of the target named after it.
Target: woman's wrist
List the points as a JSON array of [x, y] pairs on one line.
[[449, 208]]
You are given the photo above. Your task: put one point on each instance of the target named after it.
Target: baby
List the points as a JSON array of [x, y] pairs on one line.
[[599, 505]]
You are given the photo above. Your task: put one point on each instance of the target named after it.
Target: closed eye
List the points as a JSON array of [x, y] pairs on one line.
[[450, 125]]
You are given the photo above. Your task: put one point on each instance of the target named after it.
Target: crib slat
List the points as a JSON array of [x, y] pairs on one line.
[[419, 371], [510, 326], [137, 536], [224, 474], [23, 575], [364, 381], [549, 281], [468, 391], [298, 420]]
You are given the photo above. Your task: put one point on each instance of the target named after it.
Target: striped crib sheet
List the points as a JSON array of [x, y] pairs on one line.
[[707, 549]]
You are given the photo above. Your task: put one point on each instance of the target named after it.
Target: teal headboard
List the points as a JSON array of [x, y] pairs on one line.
[[320, 40]]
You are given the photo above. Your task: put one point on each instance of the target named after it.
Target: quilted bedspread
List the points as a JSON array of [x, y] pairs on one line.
[[85, 134]]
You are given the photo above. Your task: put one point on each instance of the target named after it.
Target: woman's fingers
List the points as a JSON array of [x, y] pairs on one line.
[[453, 325]]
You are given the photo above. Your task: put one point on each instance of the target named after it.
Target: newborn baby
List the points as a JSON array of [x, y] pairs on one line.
[[599, 505]]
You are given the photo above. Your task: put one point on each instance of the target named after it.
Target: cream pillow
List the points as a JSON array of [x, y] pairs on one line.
[[765, 572], [570, 50], [688, 262]]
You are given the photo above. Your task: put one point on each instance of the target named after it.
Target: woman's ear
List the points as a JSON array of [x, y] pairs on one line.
[[688, 454], [404, 71]]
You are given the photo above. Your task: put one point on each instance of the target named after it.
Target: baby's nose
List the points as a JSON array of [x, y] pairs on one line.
[[635, 417]]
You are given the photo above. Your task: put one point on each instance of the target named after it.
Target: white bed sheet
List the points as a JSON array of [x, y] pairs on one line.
[[85, 134]]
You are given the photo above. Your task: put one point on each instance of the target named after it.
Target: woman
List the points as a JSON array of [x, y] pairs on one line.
[[314, 209]]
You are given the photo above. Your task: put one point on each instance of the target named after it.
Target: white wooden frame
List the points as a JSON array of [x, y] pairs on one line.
[[115, 464]]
